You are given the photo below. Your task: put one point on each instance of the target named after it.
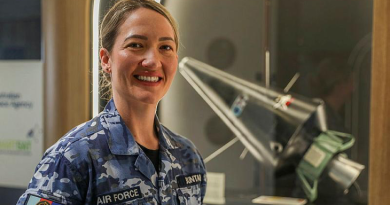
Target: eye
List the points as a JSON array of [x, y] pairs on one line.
[[166, 47], [134, 45]]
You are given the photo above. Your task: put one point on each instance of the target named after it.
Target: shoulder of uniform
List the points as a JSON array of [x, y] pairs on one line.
[[186, 148], [78, 134], [179, 140]]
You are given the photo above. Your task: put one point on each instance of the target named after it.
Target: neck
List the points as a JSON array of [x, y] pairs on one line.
[[139, 118]]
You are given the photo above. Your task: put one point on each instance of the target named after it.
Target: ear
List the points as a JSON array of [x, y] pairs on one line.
[[105, 61]]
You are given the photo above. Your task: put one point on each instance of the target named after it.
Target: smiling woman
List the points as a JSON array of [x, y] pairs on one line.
[[144, 48], [124, 155], [109, 30]]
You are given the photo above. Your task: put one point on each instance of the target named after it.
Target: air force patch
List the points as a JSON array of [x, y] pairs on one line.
[[189, 180], [36, 200], [121, 196]]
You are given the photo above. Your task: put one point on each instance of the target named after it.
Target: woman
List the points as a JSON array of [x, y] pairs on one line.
[[124, 155]]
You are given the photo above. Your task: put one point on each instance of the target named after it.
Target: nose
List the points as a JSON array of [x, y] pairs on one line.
[[151, 59]]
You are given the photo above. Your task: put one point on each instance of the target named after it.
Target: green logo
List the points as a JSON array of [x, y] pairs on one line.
[[15, 146]]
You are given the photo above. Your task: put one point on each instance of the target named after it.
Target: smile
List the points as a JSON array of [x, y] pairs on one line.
[[153, 79]]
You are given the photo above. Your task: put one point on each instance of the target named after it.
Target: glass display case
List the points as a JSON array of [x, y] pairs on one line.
[[277, 66]]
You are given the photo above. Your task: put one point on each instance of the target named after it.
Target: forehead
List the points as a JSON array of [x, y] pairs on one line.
[[147, 22]]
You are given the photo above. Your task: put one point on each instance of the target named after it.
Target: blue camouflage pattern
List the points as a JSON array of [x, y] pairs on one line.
[[99, 162]]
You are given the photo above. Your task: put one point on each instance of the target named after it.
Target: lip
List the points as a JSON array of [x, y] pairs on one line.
[[149, 74], [147, 83]]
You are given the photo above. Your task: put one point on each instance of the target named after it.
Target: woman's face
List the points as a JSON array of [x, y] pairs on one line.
[[143, 60]]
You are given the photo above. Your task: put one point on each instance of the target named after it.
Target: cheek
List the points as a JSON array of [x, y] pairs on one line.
[[171, 68], [172, 71], [125, 65], [171, 74]]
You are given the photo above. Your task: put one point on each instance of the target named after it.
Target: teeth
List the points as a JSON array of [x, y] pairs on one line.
[[148, 78]]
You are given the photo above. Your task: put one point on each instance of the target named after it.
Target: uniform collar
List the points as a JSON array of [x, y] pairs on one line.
[[166, 141], [120, 139]]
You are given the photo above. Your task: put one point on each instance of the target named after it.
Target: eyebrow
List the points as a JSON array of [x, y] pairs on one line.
[[146, 38], [136, 36], [166, 39]]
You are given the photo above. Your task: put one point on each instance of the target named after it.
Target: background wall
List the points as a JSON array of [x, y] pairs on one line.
[[67, 48]]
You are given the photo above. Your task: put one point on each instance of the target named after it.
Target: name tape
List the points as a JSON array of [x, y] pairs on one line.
[[121, 196], [189, 180]]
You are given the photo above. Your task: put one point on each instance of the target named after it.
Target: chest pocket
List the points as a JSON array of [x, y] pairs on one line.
[[190, 195]]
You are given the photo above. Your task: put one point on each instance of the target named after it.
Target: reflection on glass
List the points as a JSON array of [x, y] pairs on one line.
[[282, 131]]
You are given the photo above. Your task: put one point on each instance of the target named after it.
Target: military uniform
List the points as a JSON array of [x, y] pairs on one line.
[[99, 162]]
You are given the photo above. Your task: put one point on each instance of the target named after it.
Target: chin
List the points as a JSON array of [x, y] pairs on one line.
[[144, 97], [149, 101]]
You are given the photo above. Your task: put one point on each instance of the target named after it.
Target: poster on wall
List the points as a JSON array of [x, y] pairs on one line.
[[21, 121]]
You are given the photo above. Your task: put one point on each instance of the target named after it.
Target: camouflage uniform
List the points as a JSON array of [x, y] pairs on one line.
[[99, 162]]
